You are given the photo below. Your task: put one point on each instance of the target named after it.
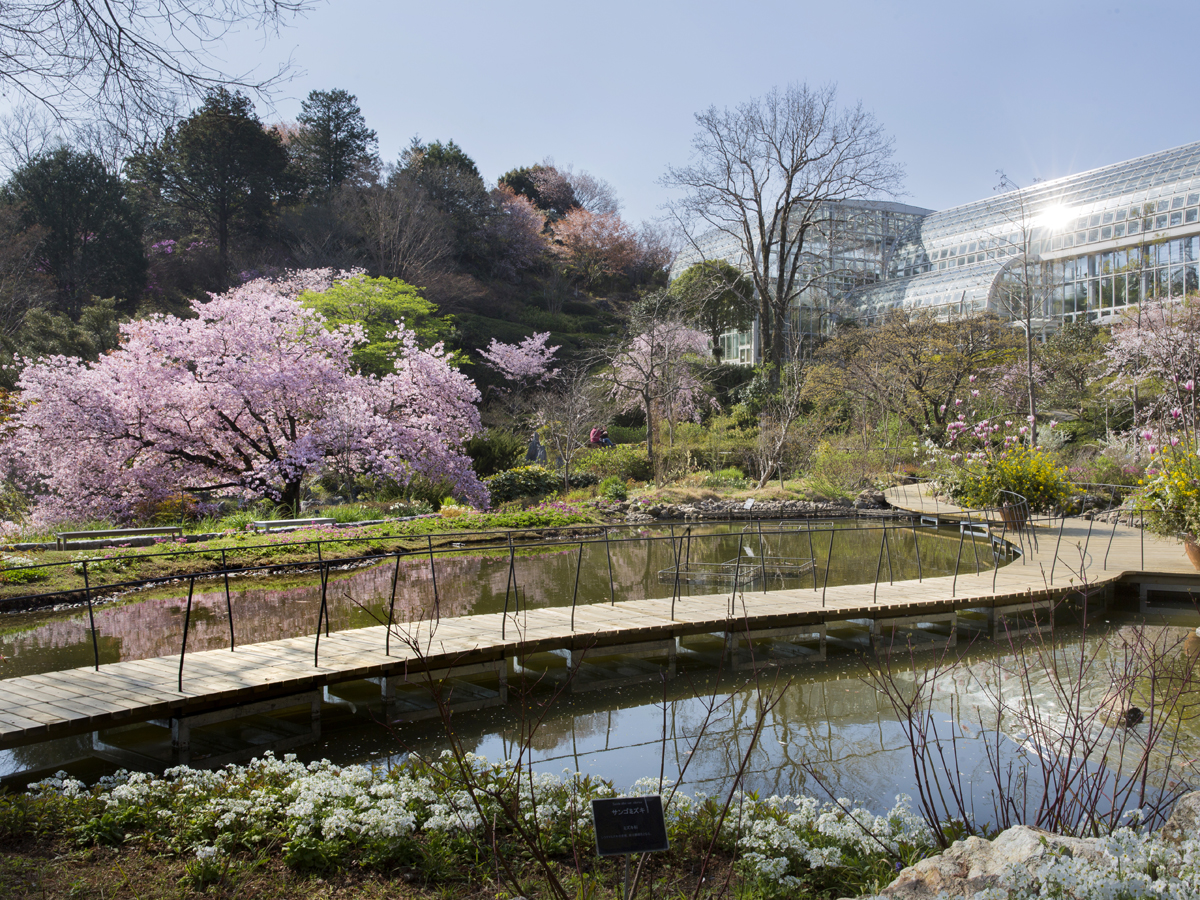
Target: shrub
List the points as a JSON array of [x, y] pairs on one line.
[[1032, 473], [728, 477], [13, 570], [523, 481], [494, 451], [1170, 494], [613, 489], [620, 434], [626, 461]]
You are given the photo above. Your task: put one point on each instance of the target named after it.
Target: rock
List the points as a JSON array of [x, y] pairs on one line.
[[1185, 819], [654, 511], [974, 864], [870, 499]]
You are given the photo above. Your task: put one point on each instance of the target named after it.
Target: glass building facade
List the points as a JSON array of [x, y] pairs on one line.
[[1080, 247]]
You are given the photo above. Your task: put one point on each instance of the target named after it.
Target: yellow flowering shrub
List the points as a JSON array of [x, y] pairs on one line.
[[1031, 472], [1170, 493]]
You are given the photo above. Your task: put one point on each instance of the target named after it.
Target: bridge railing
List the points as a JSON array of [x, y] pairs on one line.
[[1009, 529]]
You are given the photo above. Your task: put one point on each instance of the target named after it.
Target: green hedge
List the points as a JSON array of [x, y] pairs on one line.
[[523, 481]]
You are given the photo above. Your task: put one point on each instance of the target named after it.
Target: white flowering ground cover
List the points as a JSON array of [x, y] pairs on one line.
[[446, 824]]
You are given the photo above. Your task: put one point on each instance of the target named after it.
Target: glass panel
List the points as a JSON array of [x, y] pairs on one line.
[[1119, 290], [1106, 233], [1190, 283], [1095, 221], [1176, 202], [1133, 226], [1106, 293], [1120, 215], [1118, 231], [1162, 205], [1176, 218], [1160, 222], [1193, 199], [1134, 288], [1094, 234], [1108, 217], [1162, 279]]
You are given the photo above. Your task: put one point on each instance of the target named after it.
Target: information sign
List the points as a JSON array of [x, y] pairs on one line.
[[629, 825]]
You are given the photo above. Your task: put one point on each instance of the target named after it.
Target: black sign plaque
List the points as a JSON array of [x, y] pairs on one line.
[[629, 825]]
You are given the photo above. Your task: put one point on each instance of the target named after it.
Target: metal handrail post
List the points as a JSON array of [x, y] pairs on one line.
[[575, 596], [228, 599], [87, 591], [917, 550], [1057, 544], [878, 565], [437, 605], [811, 555], [612, 591], [957, 562], [828, 565], [387, 639], [187, 618]]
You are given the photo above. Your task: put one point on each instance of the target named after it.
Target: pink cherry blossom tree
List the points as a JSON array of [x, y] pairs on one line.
[[656, 369], [524, 365], [251, 395]]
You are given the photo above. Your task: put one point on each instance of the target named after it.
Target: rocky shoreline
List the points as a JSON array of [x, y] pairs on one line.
[[1024, 861], [869, 502]]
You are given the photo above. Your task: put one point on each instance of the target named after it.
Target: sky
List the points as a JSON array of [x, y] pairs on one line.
[[1037, 89]]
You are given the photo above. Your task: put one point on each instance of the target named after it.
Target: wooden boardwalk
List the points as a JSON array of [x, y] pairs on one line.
[[56, 704]]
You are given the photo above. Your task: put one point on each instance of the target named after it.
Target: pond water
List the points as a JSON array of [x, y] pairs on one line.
[[823, 727]]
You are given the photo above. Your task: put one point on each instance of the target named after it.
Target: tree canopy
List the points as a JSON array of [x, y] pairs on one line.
[[218, 171], [333, 143], [90, 236], [251, 394]]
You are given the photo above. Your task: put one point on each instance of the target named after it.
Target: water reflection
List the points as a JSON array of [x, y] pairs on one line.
[[470, 581]]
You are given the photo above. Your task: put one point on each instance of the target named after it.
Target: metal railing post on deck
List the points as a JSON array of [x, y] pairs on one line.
[[322, 614], [996, 554], [387, 637], [1113, 533], [228, 601], [437, 606], [187, 618], [737, 570], [828, 565], [508, 584], [762, 556], [974, 546], [917, 550], [612, 591], [957, 561], [811, 555], [878, 565], [1057, 544], [575, 596], [87, 591]]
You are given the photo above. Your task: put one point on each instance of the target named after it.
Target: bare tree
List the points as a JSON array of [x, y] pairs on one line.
[[566, 412], [651, 368], [403, 233], [593, 193], [764, 177], [114, 59]]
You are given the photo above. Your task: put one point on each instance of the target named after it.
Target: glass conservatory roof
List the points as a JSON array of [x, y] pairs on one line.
[[966, 288], [954, 250]]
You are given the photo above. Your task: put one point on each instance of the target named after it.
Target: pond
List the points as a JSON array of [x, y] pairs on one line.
[[472, 580], [823, 728]]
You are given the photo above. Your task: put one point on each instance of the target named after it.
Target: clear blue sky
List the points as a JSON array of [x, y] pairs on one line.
[[1039, 89]]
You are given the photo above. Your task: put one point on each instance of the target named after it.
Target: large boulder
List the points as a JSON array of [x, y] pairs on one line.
[[974, 864], [1184, 823]]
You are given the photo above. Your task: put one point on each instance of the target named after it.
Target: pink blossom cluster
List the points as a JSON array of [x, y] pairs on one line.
[[526, 363], [252, 395]]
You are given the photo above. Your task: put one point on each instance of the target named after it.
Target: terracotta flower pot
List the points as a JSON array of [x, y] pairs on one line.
[[1192, 549]]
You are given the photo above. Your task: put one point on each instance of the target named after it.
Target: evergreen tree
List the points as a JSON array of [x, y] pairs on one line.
[[90, 236], [218, 171], [333, 143]]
